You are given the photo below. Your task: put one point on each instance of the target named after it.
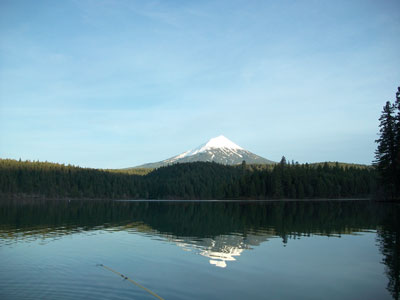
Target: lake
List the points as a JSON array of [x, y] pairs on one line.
[[199, 250]]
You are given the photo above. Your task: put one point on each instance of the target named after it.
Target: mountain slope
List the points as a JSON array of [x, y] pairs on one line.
[[219, 149]]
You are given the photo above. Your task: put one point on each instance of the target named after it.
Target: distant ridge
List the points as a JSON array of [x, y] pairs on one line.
[[219, 149]]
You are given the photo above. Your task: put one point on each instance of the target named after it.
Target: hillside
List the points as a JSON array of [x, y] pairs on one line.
[[199, 180]]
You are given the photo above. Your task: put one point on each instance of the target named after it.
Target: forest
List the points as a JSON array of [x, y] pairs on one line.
[[197, 180]]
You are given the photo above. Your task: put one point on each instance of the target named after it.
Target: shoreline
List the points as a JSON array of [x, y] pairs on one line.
[[43, 198]]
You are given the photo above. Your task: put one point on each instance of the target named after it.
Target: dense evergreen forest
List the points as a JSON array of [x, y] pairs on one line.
[[198, 180]]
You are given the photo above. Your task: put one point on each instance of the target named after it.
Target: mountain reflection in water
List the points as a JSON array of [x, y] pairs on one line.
[[220, 231], [223, 248]]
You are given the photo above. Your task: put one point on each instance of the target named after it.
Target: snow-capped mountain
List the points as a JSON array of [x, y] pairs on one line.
[[218, 149]]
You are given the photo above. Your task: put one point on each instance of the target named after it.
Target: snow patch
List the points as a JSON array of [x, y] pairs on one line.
[[219, 142]]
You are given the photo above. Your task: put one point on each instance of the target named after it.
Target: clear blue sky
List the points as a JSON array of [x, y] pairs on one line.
[[112, 84]]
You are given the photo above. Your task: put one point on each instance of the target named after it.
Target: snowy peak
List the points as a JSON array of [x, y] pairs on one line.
[[218, 149], [220, 142]]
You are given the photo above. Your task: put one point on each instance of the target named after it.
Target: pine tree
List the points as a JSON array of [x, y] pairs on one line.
[[397, 139], [385, 154]]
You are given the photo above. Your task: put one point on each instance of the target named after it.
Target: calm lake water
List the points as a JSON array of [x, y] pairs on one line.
[[199, 250]]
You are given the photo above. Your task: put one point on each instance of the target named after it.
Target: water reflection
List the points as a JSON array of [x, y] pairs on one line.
[[224, 248], [389, 244], [219, 231]]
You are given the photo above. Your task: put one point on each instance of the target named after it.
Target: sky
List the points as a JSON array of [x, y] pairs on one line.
[[114, 84]]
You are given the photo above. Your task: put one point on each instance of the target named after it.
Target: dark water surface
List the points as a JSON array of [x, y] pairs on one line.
[[194, 250]]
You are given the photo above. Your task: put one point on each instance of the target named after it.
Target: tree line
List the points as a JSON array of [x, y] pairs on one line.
[[387, 154], [197, 180]]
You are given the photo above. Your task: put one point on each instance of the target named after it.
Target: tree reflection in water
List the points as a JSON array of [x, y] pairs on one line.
[[389, 244]]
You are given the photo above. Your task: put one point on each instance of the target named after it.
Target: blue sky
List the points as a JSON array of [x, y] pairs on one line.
[[112, 84]]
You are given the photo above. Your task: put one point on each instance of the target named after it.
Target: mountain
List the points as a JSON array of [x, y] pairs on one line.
[[218, 149]]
